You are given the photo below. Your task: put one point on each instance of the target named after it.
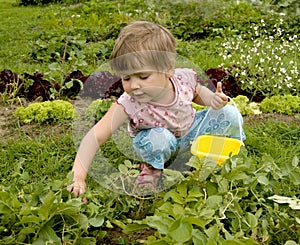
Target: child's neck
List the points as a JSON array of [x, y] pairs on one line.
[[168, 96]]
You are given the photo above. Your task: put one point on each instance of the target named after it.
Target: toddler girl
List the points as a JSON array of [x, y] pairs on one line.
[[158, 103]]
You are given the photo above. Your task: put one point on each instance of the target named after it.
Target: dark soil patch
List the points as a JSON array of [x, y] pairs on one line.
[[116, 236], [261, 118]]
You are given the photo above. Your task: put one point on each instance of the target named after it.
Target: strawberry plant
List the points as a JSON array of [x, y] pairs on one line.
[[226, 205], [97, 109]]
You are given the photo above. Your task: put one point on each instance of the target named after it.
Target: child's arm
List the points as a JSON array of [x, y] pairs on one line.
[[89, 145], [204, 96]]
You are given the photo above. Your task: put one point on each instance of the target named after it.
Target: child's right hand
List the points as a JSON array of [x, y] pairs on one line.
[[78, 187]]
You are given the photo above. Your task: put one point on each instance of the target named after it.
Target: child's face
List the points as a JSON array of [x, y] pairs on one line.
[[148, 86]]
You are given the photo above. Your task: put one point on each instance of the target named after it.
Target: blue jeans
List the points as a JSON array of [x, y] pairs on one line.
[[155, 146]]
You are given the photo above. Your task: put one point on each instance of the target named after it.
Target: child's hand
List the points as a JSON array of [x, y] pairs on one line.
[[219, 99], [78, 187]]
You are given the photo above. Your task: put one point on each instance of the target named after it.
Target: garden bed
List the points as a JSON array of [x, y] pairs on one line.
[[253, 198]]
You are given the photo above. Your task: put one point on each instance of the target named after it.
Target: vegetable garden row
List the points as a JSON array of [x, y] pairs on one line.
[[53, 76]]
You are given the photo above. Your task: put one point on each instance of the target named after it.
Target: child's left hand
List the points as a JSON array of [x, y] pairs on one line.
[[219, 99]]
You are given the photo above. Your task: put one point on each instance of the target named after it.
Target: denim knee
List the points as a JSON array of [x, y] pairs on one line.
[[155, 146]]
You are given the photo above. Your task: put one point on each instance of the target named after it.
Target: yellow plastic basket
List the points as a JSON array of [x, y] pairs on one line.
[[216, 147]]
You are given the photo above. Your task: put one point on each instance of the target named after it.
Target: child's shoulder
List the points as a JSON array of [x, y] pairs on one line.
[[184, 71], [185, 74]]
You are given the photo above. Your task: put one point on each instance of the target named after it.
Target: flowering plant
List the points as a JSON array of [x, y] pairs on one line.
[[265, 62]]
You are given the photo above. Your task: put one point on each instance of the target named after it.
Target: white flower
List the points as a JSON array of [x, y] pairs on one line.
[[277, 57], [283, 70], [261, 60]]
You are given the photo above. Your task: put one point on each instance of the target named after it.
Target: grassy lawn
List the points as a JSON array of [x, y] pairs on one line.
[[18, 30]]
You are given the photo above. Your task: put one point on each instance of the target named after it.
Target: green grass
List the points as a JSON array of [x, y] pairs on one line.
[[18, 29], [38, 151], [274, 137]]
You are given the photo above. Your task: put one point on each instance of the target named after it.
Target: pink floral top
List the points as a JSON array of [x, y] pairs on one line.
[[176, 116]]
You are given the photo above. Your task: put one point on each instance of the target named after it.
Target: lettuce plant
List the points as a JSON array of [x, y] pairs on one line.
[[46, 112], [284, 104]]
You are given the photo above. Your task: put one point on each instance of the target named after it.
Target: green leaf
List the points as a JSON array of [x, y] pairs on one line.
[[128, 164], [8, 200], [194, 162], [290, 242], [30, 219], [123, 169], [48, 202], [118, 223], [199, 238], [207, 169], [47, 236], [195, 192], [166, 207], [54, 67], [86, 240], [196, 221], [83, 221], [161, 223], [134, 227], [69, 84], [181, 231], [97, 221], [177, 210], [263, 180], [176, 197], [251, 220], [182, 189], [160, 242], [207, 213], [27, 230], [67, 209], [295, 176], [214, 201], [212, 232]]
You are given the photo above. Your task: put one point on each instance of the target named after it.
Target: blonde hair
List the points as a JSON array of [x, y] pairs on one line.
[[143, 45]]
